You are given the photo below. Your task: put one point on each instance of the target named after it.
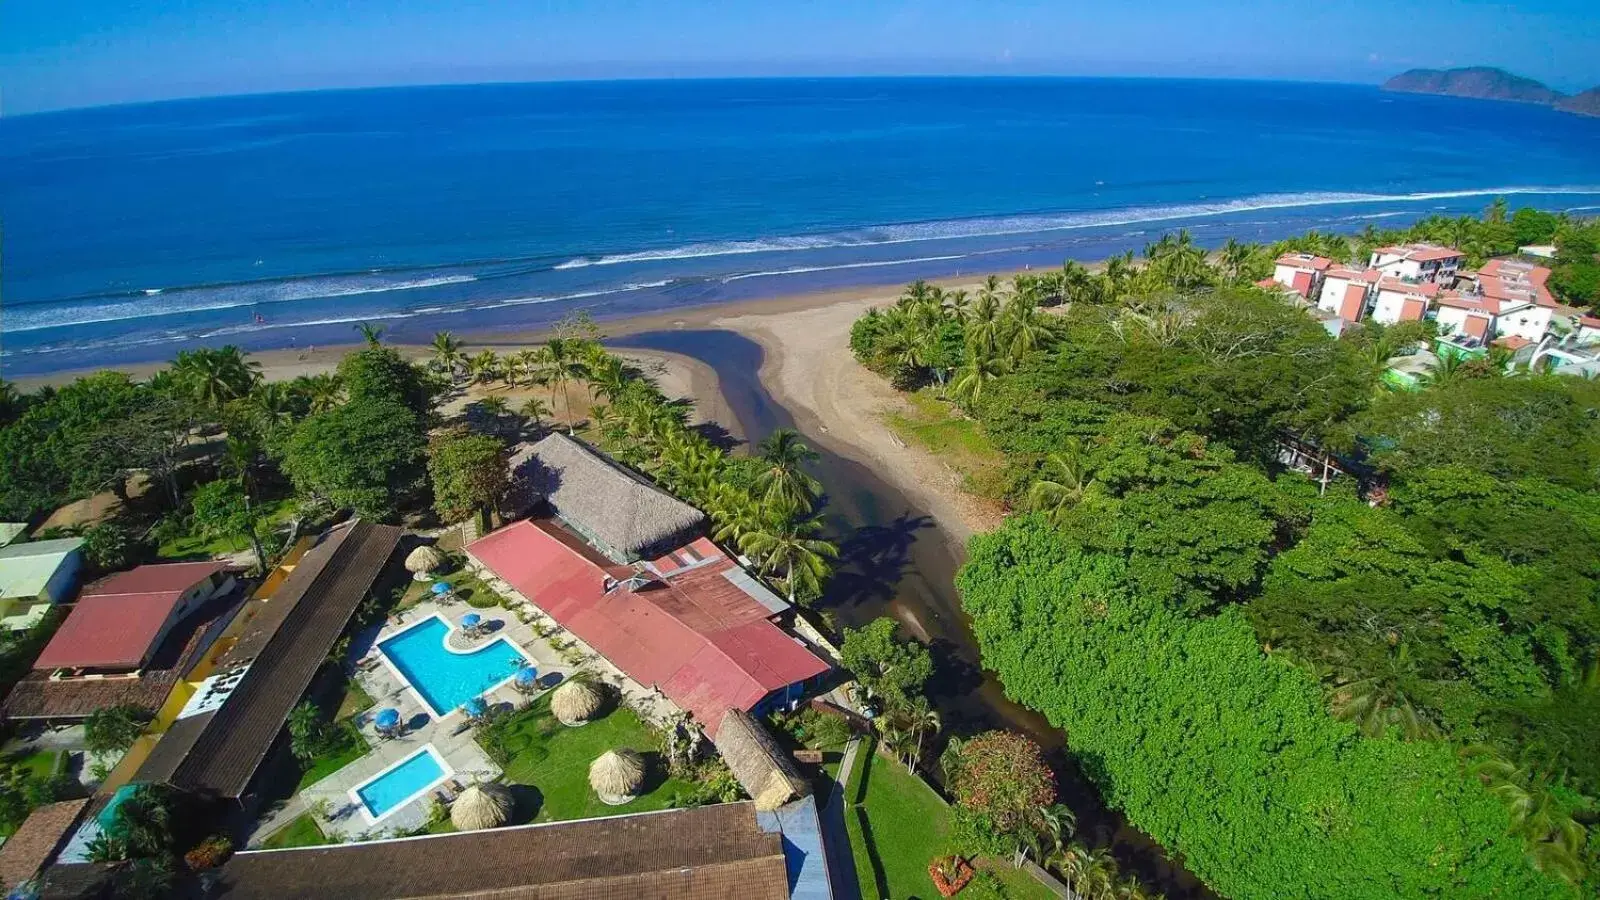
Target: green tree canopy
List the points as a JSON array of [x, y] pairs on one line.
[[376, 372], [469, 472], [890, 666], [1224, 754], [366, 454]]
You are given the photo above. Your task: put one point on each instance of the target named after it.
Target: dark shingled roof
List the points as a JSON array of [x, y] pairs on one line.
[[37, 841], [217, 753], [710, 853]]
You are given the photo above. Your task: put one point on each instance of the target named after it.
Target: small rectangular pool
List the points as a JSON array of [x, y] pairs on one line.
[[445, 678], [402, 782]]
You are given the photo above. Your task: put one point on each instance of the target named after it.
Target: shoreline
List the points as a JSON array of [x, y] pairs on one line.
[[287, 363]]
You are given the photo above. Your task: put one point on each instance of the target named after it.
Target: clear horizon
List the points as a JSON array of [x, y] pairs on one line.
[[112, 52]]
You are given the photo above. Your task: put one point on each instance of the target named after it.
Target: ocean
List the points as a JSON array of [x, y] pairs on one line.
[[267, 221]]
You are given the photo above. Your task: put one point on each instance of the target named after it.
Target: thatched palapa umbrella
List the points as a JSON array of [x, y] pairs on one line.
[[616, 776], [422, 561], [575, 702], [482, 806]]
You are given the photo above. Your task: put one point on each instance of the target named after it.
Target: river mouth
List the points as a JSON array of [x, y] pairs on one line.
[[895, 560]]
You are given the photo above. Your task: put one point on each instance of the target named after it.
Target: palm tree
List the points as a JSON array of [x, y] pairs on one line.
[[562, 364], [447, 353], [984, 320], [788, 545], [974, 374], [1025, 328], [535, 410], [1555, 840], [1066, 484], [1119, 271], [217, 375], [370, 333], [483, 366], [143, 822], [323, 391], [921, 720], [1056, 825], [274, 404], [1379, 701], [1090, 873], [1234, 257], [608, 376], [783, 480]]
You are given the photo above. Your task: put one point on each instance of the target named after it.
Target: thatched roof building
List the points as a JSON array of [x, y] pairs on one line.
[[482, 806], [764, 770], [625, 516], [576, 702], [423, 560], [617, 776]]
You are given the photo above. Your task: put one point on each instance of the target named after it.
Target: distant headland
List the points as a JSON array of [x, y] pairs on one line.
[[1486, 83]]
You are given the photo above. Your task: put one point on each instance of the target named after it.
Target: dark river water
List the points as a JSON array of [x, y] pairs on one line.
[[895, 561]]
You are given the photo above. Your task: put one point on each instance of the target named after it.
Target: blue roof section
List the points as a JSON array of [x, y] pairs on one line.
[[802, 848]]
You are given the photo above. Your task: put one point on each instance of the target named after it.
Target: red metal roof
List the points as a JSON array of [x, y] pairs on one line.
[[691, 633], [155, 579], [114, 625]]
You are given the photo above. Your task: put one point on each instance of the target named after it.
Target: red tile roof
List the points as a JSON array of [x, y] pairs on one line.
[[154, 579], [1487, 305], [1304, 261], [1515, 281], [114, 625], [691, 633], [1420, 289], [1513, 342], [1421, 252], [1346, 273], [1589, 321]]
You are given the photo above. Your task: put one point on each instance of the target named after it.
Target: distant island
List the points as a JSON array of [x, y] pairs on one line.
[[1488, 83]]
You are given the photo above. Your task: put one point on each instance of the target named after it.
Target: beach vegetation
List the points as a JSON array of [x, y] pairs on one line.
[[1400, 664], [367, 455], [469, 472]]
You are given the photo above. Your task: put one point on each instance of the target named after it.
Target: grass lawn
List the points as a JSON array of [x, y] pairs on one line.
[[897, 825], [466, 586], [195, 546], [554, 759], [38, 764], [940, 427], [351, 747], [356, 700], [300, 832]]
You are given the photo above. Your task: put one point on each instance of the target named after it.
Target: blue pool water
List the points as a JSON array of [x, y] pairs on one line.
[[413, 775], [443, 678]]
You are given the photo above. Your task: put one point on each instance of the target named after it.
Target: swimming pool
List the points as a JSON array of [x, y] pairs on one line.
[[401, 783], [443, 678]]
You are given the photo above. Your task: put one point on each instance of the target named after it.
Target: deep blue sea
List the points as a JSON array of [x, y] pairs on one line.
[[132, 231]]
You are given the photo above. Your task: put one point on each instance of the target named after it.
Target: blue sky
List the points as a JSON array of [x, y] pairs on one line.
[[63, 53]]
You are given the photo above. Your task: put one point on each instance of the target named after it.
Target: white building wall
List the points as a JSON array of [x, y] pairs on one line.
[[1451, 320], [1388, 306], [1332, 294], [1529, 322]]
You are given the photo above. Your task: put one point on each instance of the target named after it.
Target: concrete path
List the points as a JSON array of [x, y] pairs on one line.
[[836, 835], [275, 822]]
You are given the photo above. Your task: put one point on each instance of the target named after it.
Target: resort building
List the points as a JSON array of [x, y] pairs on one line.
[[1402, 301], [619, 512], [34, 576], [1345, 291], [1418, 262], [220, 725], [1301, 273], [692, 624], [127, 641], [723, 852], [1469, 317], [1586, 330], [37, 842]]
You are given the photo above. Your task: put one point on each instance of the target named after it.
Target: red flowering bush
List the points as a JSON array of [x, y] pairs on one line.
[[1001, 778]]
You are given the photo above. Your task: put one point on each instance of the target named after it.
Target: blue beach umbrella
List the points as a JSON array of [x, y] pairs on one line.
[[475, 707], [471, 620], [527, 675], [388, 717], [440, 588]]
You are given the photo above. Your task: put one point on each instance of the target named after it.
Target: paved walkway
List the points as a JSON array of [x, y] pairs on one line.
[[276, 820], [836, 834]]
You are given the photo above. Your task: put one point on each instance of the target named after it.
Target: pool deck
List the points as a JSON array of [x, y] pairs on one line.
[[329, 800]]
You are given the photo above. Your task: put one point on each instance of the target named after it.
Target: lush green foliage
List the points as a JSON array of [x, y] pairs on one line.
[[886, 664], [1001, 781], [366, 454], [1222, 753], [469, 472], [113, 729]]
